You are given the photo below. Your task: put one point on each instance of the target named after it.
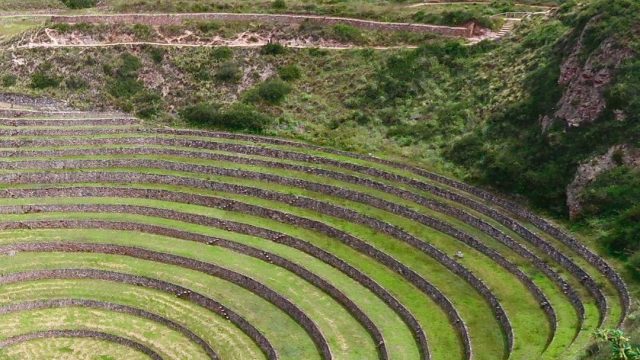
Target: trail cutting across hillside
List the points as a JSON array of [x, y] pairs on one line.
[[247, 39]]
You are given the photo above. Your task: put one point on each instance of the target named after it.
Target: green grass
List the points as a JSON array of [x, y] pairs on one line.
[[431, 317], [407, 225], [503, 284], [10, 27], [20, 5], [50, 349], [459, 292], [291, 340], [173, 345], [395, 332], [345, 335], [225, 338]]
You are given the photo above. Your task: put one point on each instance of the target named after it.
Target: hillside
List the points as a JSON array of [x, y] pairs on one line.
[[352, 235]]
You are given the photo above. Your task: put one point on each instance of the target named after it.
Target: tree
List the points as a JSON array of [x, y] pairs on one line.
[[621, 348]]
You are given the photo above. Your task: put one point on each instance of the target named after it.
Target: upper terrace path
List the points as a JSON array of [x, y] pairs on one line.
[[243, 40]]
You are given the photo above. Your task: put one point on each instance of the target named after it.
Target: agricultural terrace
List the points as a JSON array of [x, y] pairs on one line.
[[126, 240]]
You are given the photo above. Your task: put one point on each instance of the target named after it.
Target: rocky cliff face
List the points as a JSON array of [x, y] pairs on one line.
[[583, 99], [588, 172], [585, 75]]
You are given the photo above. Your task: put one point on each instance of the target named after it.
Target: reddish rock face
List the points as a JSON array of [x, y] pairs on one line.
[[583, 99]]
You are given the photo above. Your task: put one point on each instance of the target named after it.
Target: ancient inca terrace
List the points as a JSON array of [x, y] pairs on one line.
[[185, 244]]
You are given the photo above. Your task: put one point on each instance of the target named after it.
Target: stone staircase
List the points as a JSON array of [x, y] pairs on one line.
[[508, 26], [511, 19]]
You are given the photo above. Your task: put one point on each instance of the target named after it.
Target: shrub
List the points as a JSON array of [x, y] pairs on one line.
[[229, 72], [273, 49], [79, 4], [279, 4], [142, 31], [620, 346], [624, 237], [202, 74], [503, 5], [42, 80], [125, 83], [344, 32], [240, 117], [9, 80], [157, 54], [75, 83], [316, 52], [147, 104], [222, 53], [129, 65], [124, 87], [208, 26], [289, 73], [273, 91], [633, 265]]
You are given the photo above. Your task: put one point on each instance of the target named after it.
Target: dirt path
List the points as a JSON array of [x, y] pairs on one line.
[[178, 18], [233, 45], [55, 40], [433, 3]]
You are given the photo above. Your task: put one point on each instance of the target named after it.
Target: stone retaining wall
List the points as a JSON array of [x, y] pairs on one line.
[[563, 260], [141, 281], [271, 258], [94, 304], [227, 225], [176, 19], [210, 269], [231, 205], [261, 151], [90, 334], [495, 233], [516, 209], [326, 189], [62, 122]]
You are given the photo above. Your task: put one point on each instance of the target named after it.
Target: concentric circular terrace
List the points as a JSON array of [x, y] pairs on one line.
[[137, 243]]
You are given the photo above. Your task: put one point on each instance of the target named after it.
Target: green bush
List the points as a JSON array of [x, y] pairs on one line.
[[147, 104], [208, 26], [279, 4], [273, 49], [229, 72], [9, 80], [454, 18], [142, 31], [79, 4], [273, 91], [42, 80], [75, 83], [157, 54], [633, 266], [124, 87], [222, 53], [345, 33], [623, 238], [239, 117], [612, 192], [289, 73], [129, 65], [125, 82]]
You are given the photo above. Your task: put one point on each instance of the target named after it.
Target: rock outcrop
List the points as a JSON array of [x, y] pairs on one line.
[[585, 81], [588, 171]]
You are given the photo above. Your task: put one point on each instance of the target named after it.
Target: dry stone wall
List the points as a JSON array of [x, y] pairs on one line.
[[177, 19]]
